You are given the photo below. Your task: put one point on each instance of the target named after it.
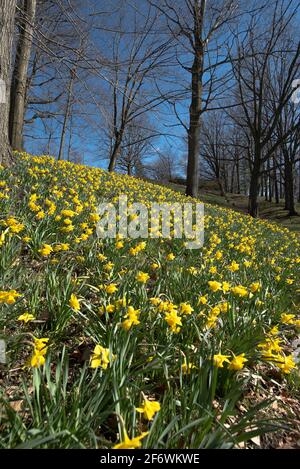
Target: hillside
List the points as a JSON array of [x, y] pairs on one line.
[[127, 342], [210, 193]]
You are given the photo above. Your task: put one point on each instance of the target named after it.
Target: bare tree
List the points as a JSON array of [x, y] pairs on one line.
[[135, 66], [261, 108], [66, 113], [134, 148], [214, 148], [7, 18], [197, 25], [58, 58], [26, 18], [289, 148], [164, 167]]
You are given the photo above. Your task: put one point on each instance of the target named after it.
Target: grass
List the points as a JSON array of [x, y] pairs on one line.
[[238, 202], [131, 342]]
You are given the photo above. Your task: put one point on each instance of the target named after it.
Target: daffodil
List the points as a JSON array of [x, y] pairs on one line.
[[26, 317], [46, 250], [237, 362], [131, 318], [187, 368], [240, 291], [233, 267], [220, 359], [9, 297], [132, 443], [255, 287], [287, 318], [100, 357], [111, 288], [149, 408], [174, 321], [37, 359], [202, 300], [74, 302], [142, 277], [214, 285], [170, 257], [185, 308], [287, 364]]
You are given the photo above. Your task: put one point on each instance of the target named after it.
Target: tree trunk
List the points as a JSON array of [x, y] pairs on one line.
[[7, 18], [66, 116], [238, 181], [49, 143], [266, 187], [262, 187], [276, 189], [270, 182], [114, 154], [289, 186], [70, 139], [224, 177], [299, 182], [281, 185], [232, 180], [254, 188], [192, 179], [19, 78]]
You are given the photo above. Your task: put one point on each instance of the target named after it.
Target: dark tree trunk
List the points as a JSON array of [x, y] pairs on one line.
[[299, 183], [270, 182], [196, 104], [225, 178], [266, 187], [114, 154], [7, 18], [276, 190], [254, 187], [266, 182], [281, 185], [286, 191], [232, 180], [270, 189], [70, 139], [19, 78], [262, 187], [194, 131], [289, 186], [238, 181]]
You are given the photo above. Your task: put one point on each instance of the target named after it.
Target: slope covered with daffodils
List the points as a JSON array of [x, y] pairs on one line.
[[139, 343]]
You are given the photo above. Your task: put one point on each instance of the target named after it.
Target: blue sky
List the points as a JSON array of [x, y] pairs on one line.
[[92, 94]]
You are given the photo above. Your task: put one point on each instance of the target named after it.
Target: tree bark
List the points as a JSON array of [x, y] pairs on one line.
[[192, 181], [266, 187], [19, 78], [276, 189], [232, 180], [238, 181], [254, 188], [262, 187], [194, 132], [114, 154], [270, 182], [299, 182], [289, 186], [7, 18], [281, 185], [66, 116]]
